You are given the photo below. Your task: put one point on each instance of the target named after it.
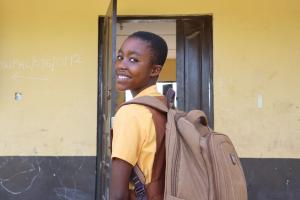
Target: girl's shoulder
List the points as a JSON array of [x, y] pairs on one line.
[[133, 110]]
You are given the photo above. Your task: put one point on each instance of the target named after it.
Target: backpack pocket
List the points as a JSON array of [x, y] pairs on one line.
[[229, 179]]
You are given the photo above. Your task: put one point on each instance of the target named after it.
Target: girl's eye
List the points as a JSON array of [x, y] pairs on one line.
[[133, 60], [119, 57]]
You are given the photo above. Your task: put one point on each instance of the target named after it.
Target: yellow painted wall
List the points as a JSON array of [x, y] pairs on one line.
[[256, 52], [48, 52]]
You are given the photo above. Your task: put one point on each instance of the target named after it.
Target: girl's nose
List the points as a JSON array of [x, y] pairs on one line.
[[121, 65]]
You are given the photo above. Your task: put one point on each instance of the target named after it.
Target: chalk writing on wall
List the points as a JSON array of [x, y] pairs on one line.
[[25, 177], [49, 63], [47, 177]]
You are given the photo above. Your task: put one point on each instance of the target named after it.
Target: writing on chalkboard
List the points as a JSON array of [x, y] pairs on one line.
[[19, 181], [49, 63]]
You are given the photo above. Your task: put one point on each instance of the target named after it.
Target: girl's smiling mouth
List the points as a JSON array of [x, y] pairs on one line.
[[122, 77]]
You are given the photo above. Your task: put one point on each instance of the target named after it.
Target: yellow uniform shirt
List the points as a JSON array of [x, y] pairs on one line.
[[134, 139]]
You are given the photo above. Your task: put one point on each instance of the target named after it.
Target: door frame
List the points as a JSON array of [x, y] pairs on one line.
[[100, 94]]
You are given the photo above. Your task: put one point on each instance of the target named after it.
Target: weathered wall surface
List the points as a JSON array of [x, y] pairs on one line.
[[48, 52]]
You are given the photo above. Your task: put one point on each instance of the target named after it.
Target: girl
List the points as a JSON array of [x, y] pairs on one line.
[[139, 131]]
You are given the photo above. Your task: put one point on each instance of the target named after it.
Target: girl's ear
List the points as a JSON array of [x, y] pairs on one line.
[[156, 70]]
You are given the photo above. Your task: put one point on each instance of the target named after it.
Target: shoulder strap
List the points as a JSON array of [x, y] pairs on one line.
[[138, 180], [148, 101], [137, 176]]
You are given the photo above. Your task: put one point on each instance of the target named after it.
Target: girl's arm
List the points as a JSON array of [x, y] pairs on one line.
[[121, 171]]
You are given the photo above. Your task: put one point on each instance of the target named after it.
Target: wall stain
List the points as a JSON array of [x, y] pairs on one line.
[[271, 76]]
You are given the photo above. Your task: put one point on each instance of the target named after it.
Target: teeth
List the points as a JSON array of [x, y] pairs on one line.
[[122, 77]]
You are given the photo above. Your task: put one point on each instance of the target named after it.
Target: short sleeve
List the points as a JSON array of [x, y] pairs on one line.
[[128, 136]]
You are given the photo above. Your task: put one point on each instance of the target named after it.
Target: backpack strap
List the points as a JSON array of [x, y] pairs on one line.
[[148, 101], [137, 176], [138, 179]]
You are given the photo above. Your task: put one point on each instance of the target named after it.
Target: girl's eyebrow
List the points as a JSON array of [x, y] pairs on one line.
[[130, 52], [133, 53]]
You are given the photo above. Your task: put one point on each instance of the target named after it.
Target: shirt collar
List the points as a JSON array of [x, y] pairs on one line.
[[149, 91]]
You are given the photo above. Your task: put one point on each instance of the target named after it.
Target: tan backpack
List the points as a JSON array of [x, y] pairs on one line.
[[200, 164]]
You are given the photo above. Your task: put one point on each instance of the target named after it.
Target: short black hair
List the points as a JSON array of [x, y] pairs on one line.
[[158, 45]]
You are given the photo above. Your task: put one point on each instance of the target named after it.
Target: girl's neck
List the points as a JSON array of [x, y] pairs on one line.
[[137, 91]]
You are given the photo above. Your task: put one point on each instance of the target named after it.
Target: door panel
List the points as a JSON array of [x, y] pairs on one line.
[[106, 99], [194, 65]]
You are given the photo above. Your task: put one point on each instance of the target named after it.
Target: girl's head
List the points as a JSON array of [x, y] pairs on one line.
[[139, 61], [157, 45]]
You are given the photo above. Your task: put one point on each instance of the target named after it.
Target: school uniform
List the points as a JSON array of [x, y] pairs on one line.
[[139, 139]]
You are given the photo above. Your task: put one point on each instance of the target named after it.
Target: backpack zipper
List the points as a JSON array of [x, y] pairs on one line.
[[175, 169], [213, 163]]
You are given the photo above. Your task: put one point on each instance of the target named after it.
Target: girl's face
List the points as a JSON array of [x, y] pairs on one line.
[[134, 67]]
